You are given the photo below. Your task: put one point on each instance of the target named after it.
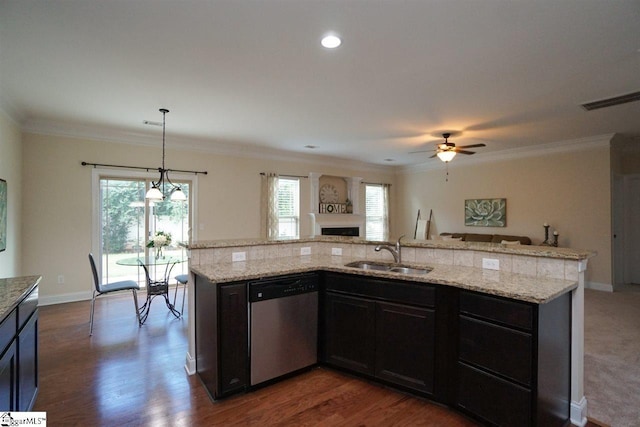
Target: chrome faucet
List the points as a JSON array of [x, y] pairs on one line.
[[396, 252]]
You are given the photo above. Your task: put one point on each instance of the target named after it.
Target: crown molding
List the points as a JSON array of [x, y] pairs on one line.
[[202, 145], [547, 149]]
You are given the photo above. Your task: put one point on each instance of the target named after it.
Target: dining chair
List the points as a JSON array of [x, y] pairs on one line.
[[105, 288], [182, 279]]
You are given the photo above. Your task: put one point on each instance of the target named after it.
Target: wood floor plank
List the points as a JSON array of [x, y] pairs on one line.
[[129, 376]]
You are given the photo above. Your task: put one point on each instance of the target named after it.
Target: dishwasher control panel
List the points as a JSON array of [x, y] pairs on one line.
[[282, 286]]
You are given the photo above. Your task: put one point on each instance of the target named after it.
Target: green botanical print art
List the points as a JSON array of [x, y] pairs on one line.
[[485, 212], [3, 214]]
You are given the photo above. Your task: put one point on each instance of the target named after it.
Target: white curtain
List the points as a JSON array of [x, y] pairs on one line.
[[269, 206], [385, 210]]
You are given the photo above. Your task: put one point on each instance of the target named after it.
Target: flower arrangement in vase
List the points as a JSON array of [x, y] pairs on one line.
[[159, 241]]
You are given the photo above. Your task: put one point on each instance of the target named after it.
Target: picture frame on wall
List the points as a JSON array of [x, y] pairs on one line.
[[485, 212], [3, 215]]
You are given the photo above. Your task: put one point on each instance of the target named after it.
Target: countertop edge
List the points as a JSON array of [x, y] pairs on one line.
[[26, 289], [439, 278], [525, 250]]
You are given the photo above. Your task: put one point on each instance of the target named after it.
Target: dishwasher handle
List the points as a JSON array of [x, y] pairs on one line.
[[262, 290]]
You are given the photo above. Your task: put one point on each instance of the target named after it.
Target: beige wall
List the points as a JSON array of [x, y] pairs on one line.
[[11, 171], [58, 202], [570, 191]]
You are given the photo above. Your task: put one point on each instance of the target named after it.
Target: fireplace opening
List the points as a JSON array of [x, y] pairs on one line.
[[341, 231]]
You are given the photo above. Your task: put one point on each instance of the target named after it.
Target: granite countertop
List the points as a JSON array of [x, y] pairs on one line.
[[529, 250], [509, 285], [13, 290]]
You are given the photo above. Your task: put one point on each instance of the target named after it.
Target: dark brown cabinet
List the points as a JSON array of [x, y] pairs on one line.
[[349, 340], [221, 328], [502, 361], [19, 355], [513, 362], [8, 376], [369, 329], [405, 345]]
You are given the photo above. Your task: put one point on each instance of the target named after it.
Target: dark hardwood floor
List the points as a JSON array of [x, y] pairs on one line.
[[129, 376]]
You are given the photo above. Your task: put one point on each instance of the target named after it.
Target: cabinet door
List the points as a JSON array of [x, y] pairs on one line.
[[234, 333], [8, 379], [28, 364], [405, 345], [349, 332]]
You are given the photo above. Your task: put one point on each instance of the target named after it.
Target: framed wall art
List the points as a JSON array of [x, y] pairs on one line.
[[485, 212], [3, 215]]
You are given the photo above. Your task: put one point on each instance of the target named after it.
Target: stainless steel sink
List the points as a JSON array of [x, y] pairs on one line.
[[367, 265], [392, 268], [410, 270]]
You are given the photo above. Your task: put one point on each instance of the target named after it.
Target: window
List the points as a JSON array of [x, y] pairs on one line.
[[124, 221], [376, 212], [288, 207]]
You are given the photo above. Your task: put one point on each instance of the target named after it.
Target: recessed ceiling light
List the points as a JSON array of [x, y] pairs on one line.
[[331, 41]]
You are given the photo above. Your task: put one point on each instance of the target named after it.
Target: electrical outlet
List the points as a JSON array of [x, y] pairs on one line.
[[305, 251], [336, 251], [491, 263], [61, 280], [238, 256]]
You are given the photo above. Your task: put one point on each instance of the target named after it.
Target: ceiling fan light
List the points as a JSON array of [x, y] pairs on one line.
[[154, 193], [446, 156], [178, 195]]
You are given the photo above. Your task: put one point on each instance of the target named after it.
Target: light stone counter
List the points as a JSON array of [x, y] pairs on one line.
[[527, 250], [13, 290], [509, 285]]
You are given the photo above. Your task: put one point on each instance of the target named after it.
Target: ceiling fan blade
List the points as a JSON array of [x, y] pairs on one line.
[[464, 152], [472, 146]]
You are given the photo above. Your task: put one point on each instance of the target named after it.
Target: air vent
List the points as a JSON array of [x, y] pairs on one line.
[[604, 103]]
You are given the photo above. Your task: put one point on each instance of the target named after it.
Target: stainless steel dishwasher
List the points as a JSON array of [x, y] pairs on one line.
[[283, 314]]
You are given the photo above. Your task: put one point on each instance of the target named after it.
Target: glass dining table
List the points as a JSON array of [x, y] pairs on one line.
[[158, 284]]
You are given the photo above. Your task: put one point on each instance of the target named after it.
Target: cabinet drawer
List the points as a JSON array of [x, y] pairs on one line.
[[8, 330], [388, 290], [496, 348], [496, 400], [512, 313], [27, 307]]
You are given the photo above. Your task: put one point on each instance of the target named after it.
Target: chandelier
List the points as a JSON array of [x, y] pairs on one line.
[[155, 192]]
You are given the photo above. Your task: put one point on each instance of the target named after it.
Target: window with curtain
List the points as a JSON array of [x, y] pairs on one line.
[[377, 211], [288, 207]]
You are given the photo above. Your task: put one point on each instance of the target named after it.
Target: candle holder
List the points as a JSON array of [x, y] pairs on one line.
[[546, 236]]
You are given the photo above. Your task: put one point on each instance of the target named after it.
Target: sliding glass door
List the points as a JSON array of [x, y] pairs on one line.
[[128, 221]]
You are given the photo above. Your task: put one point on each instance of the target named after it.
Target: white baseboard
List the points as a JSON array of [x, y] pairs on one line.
[[579, 412], [190, 365], [607, 287], [63, 298]]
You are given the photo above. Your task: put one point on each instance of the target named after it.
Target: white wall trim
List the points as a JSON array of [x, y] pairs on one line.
[[606, 287], [176, 142], [190, 364], [579, 413], [64, 298], [547, 149]]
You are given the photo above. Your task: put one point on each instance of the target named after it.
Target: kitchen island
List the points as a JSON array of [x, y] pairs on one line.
[[18, 342], [534, 278]]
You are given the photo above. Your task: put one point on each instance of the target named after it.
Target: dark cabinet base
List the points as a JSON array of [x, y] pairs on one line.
[[500, 361]]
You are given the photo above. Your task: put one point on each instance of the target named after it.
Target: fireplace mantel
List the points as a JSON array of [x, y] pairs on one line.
[[320, 221]]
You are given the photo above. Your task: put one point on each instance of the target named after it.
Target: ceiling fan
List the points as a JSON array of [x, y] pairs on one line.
[[446, 151]]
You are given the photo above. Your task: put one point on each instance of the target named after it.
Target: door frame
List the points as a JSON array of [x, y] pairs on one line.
[[99, 173]]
